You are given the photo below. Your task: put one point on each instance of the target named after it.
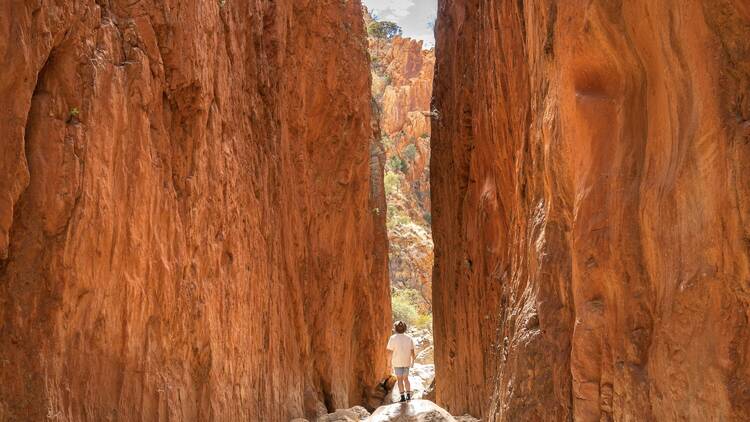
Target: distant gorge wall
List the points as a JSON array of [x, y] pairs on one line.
[[186, 196], [591, 209]]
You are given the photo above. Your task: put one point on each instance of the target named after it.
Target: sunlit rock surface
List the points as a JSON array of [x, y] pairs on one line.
[[411, 411], [186, 211]]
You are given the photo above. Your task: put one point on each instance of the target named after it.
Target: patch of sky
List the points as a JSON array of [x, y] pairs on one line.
[[415, 17]]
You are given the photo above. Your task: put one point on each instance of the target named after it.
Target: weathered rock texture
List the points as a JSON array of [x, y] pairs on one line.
[[402, 74], [186, 225], [591, 209]]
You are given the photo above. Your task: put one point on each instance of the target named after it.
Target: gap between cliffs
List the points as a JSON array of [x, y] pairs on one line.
[[402, 71]]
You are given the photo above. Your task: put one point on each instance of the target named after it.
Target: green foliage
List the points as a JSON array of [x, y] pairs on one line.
[[410, 152], [427, 217], [395, 163], [424, 135], [403, 310], [391, 211], [409, 306], [401, 219], [409, 295], [395, 217], [384, 29], [424, 321], [391, 181], [73, 116]]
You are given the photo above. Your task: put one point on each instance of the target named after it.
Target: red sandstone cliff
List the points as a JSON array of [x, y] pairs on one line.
[[180, 237], [590, 210]]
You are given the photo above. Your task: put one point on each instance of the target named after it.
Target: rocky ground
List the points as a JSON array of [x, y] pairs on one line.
[[412, 411], [386, 403]]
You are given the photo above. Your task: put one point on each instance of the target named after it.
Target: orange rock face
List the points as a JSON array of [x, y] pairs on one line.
[[407, 93], [590, 210], [186, 211]]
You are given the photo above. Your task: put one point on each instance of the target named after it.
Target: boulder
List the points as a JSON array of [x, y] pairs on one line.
[[355, 414], [377, 394], [411, 411], [427, 355]]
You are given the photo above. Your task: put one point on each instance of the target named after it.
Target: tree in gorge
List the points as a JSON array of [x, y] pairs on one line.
[[384, 29]]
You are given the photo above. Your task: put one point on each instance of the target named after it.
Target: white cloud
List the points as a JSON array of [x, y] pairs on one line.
[[398, 8], [414, 16]]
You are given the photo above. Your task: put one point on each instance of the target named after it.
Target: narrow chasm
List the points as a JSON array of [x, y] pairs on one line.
[[402, 70]]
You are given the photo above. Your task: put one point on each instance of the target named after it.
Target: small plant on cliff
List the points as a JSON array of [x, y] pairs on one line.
[[395, 163], [396, 218], [410, 152], [73, 115], [391, 182], [384, 29], [402, 219]]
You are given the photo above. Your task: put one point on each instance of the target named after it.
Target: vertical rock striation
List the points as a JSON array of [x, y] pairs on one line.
[[186, 225], [590, 209]]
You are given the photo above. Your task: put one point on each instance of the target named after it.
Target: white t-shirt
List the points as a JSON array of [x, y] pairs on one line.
[[401, 345]]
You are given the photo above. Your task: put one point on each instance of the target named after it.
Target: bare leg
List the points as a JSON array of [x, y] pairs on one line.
[[407, 384], [401, 384]]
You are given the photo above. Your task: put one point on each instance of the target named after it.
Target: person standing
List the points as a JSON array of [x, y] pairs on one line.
[[402, 356]]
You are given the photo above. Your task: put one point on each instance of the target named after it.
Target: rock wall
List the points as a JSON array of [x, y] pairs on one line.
[[591, 209], [186, 224]]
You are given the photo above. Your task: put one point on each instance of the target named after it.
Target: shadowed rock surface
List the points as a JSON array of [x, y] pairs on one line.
[[591, 209], [186, 225]]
